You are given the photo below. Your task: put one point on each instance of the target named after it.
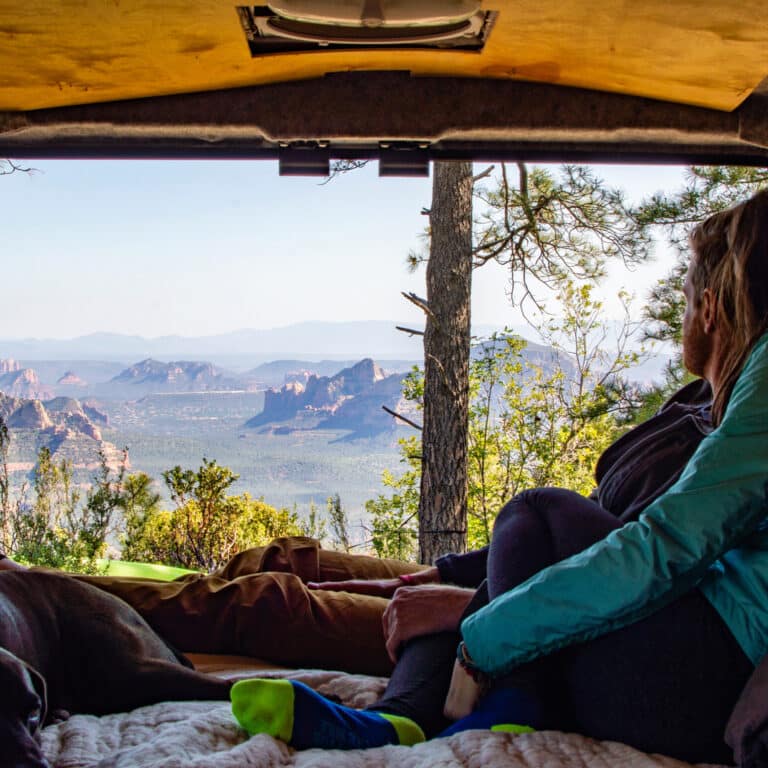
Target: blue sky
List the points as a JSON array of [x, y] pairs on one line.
[[199, 248]]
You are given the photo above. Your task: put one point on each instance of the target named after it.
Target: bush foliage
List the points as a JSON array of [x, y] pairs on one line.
[[531, 424], [207, 526], [55, 524], [58, 526]]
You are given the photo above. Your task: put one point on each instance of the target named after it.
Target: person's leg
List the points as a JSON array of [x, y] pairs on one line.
[[666, 684], [305, 558], [257, 605], [536, 527], [534, 530], [292, 712], [410, 710], [541, 527], [420, 680], [272, 616]]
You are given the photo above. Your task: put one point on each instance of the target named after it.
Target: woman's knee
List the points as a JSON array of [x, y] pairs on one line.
[[539, 501], [562, 522]]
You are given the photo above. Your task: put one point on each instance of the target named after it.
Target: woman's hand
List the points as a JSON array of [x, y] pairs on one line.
[[422, 610], [378, 587]]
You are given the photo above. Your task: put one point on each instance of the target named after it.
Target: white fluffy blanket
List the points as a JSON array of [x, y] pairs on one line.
[[205, 735]]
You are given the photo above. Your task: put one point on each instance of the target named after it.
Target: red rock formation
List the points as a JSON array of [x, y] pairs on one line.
[[23, 383], [71, 379], [30, 415]]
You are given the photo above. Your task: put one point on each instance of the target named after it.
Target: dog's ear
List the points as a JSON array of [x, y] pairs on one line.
[[41, 689]]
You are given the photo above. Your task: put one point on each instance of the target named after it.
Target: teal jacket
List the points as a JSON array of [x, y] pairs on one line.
[[709, 530]]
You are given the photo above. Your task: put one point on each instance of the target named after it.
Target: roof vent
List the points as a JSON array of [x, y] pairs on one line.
[[307, 25]]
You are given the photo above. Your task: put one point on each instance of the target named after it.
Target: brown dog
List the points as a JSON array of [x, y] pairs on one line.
[[66, 645]]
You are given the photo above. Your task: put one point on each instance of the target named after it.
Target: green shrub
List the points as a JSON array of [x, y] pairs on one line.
[[58, 528], [207, 527]]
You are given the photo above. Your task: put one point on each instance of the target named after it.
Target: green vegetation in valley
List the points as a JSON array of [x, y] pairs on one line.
[[293, 468]]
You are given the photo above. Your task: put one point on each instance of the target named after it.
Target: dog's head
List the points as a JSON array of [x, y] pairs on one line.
[[22, 713]]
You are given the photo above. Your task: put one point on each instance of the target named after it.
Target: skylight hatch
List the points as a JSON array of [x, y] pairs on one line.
[[307, 25]]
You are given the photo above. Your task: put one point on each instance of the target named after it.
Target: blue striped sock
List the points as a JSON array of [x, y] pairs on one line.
[[294, 713], [513, 708]]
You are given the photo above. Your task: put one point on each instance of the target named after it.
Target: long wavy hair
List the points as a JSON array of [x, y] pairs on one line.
[[730, 257]]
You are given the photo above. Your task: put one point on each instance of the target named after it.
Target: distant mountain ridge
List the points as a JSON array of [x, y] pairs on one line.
[[153, 376], [112, 380], [307, 341]]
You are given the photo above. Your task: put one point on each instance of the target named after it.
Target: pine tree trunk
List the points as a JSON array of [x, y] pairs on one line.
[[443, 499]]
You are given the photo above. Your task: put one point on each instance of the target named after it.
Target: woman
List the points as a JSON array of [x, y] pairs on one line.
[[650, 634]]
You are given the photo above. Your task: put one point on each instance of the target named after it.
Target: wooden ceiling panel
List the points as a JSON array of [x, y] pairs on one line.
[[709, 53]]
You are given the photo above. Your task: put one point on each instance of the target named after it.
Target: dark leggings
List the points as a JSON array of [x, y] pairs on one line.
[[665, 684]]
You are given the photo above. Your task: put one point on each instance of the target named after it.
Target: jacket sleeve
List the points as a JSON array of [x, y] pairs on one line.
[[721, 497], [465, 570]]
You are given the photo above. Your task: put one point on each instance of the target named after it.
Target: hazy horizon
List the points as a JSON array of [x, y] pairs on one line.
[[235, 331], [201, 248]]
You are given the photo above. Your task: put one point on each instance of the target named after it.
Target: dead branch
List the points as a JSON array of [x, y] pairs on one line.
[[422, 304], [409, 331], [8, 166], [487, 172], [402, 418]]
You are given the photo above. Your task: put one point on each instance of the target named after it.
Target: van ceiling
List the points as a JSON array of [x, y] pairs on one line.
[[709, 54]]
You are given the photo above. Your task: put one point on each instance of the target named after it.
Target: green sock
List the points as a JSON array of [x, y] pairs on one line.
[[294, 713], [512, 728]]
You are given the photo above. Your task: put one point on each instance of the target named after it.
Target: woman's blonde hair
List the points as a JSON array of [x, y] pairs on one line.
[[730, 257]]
